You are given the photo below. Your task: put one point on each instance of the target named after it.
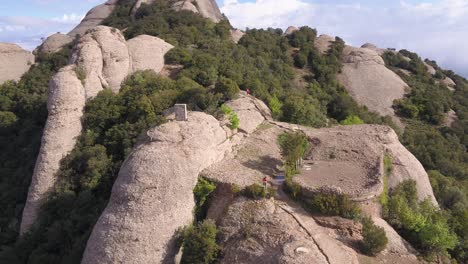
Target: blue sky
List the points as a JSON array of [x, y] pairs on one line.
[[437, 29]]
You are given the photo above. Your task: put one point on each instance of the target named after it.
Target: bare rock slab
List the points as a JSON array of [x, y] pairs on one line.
[[14, 62]]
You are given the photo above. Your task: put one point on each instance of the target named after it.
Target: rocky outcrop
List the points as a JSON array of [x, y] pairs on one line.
[[147, 52], [430, 69], [152, 196], [14, 62], [236, 35], [269, 231], [369, 82], [448, 82], [362, 147], [94, 18], [207, 8], [374, 48], [290, 30], [101, 59], [185, 5], [103, 56], [323, 43], [54, 43], [65, 106]]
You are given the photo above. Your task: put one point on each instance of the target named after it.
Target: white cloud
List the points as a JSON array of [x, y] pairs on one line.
[[437, 30], [28, 31]]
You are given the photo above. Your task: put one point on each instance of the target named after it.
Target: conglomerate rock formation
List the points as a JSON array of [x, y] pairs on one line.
[[94, 18], [102, 59], [14, 62], [65, 105], [369, 81], [152, 196]]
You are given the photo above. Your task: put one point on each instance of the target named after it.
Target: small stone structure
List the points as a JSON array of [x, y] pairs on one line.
[[180, 112]]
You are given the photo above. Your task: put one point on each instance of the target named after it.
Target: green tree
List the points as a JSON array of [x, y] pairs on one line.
[[227, 87], [199, 246], [374, 238]]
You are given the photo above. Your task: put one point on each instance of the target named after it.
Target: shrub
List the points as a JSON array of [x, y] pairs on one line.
[[352, 120], [424, 225], [178, 55], [199, 246], [333, 204], [227, 87], [234, 120], [257, 191], [293, 189], [202, 191], [374, 238]]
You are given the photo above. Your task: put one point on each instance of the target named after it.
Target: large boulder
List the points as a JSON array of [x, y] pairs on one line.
[[369, 82], [185, 5], [14, 62], [94, 18], [236, 35], [65, 105], [290, 30], [152, 196], [54, 43], [207, 8], [147, 52], [323, 43]]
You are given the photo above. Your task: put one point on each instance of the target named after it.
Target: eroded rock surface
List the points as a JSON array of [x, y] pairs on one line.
[[236, 35], [369, 82], [269, 231], [290, 30], [323, 43], [14, 62], [54, 43], [207, 8], [147, 52], [152, 196], [101, 60], [94, 18], [65, 105]]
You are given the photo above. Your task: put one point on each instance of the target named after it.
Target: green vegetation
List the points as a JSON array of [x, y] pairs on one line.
[[257, 191], [374, 238], [214, 70], [199, 246], [332, 204], [23, 113], [388, 168], [293, 147], [352, 120], [421, 223], [440, 149], [234, 120], [202, 192]]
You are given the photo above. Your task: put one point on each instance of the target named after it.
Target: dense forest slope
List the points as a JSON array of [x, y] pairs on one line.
[[117, 81]]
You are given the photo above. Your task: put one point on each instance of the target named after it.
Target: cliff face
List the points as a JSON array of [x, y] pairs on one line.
[[101, 60], [152, 196], [14, 62]]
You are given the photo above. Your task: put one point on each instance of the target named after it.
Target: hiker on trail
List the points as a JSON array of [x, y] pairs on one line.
[[247, 91], [265, 182]]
